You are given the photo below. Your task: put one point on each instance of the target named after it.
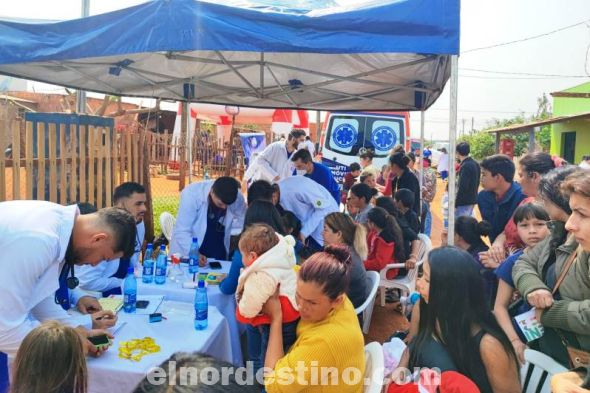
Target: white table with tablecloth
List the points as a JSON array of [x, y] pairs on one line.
[[226, 304], [109, 373]]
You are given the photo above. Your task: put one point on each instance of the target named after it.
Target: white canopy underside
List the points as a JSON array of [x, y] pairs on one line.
[[367, 81]]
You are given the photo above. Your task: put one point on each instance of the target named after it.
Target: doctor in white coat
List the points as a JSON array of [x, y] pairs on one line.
[[274, 162], [40, 242], [311, 203], [107, 277], [211, 211]]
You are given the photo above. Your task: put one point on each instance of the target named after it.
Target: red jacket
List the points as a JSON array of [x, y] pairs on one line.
[[380, 254], [290, 314]]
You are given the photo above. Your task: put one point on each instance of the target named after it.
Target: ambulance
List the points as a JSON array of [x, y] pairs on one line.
[[346, 135]]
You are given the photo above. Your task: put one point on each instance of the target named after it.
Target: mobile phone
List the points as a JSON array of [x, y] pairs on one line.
[[100, 341], [215, 265], [142, 304]]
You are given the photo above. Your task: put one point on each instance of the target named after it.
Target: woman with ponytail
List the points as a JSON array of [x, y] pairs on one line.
[[328, 334], [385, 241], [340, 230]]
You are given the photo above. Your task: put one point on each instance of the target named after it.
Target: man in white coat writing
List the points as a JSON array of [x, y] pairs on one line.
[[211, 211], [311, 203], [274, 162], [41, 242]]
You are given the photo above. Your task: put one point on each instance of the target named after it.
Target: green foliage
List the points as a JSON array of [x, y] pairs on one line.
[[482, 144], [163, 204]]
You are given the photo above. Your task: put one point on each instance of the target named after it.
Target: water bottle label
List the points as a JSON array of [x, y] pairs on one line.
[[148, 270], [201, 315], [160, 271], [192, 262], [130, 298]]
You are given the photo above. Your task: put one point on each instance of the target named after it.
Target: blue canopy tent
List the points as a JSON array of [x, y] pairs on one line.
[[388, 55], [376, 55]]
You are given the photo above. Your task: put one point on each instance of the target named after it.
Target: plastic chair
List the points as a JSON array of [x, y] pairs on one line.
[[406, 284], [167, 222], [536, 373], [367, 307], [374, 368]]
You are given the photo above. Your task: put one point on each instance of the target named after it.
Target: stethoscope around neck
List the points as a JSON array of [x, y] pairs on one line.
[[71, 282]]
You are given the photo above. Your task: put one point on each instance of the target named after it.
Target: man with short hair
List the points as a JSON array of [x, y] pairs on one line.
[[273, 163], [467, 181], [500, 195], [319, 173], [41, 242], [211, 211], [108, 277]]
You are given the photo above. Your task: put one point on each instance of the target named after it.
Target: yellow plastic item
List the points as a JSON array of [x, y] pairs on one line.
[[136, 349]]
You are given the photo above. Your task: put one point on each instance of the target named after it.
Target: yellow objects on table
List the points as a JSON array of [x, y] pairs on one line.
[[113, 304], [137, 348]]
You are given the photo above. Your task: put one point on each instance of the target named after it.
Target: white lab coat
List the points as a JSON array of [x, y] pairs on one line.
[[192, 217], [310, 202], [34, 237], [98, 278], [309, 145], [274, 161]]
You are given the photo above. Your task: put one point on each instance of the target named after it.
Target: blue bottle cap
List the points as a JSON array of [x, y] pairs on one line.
[[130, 270], [150, 245], [201, 284], [163, 247], [195, 239]]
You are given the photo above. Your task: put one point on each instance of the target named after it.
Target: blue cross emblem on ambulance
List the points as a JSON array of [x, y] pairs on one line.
[[383, 138], [345, 135]]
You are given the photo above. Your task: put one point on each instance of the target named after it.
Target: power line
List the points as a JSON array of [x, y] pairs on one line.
[[522, 73], [526, 38], [480, 111]]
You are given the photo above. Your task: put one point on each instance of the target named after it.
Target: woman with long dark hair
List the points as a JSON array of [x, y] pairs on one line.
[[386, 244], [457, 330]]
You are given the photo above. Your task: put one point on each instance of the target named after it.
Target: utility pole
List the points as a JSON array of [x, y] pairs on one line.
[[463, 128], [472, 128], [81, 96]]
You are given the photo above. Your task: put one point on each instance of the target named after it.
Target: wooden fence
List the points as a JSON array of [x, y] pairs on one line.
[[65, 163]]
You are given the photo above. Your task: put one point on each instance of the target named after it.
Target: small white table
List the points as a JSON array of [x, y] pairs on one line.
[[109, 373], [226, 304]]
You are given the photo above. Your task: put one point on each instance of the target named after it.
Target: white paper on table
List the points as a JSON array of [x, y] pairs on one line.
[[154, 300], [528, 324]]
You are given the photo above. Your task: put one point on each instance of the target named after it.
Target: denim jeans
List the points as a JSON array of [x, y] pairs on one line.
[[289, 337], [253, 337], [427, 218]]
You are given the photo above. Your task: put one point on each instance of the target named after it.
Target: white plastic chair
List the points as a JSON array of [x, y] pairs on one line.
[[406, 284], [367, 307], [374, 368], [167, 222], [536, 373]]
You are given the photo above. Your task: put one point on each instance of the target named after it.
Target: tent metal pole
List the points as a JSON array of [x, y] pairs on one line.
[[189, 142], [318, 128], [81, 96], [421, 155], [452, 145]]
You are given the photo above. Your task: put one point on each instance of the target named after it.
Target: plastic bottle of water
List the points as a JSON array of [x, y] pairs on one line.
[[206, 175], [201, 307], [148, 264], [409, 301], [193, 257], [161, 263], [129, 291]]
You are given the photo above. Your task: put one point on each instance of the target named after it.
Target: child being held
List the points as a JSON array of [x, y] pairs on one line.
[[269, 259]]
